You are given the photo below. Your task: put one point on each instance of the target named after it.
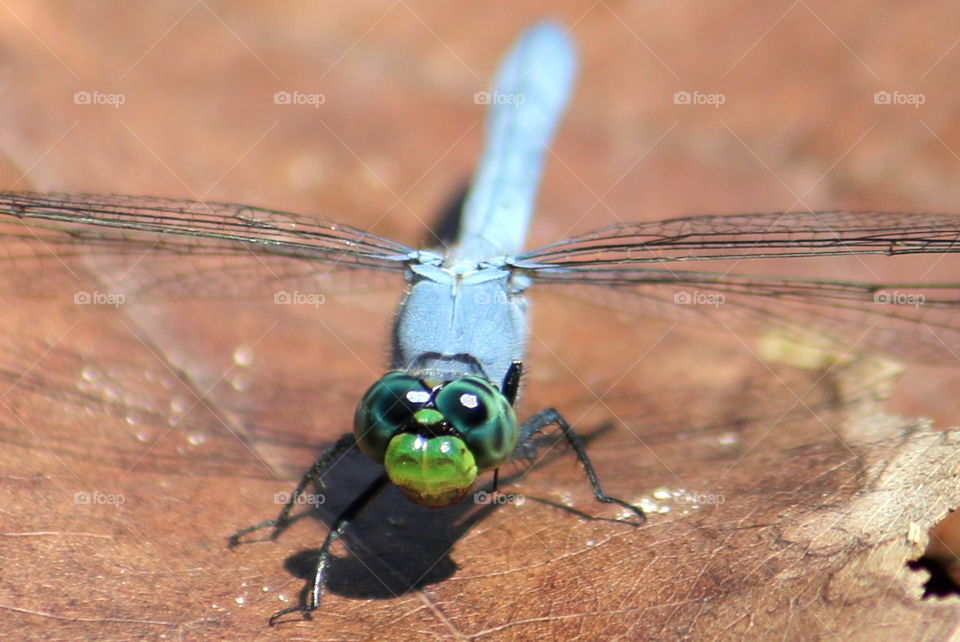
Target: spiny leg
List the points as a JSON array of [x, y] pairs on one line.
[[337, 529], [544, 418], [331, 455]]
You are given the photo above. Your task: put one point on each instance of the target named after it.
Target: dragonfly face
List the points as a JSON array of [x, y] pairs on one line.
[[434, 437]]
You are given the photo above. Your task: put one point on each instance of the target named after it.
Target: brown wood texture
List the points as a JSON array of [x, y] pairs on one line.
[[136, 440]]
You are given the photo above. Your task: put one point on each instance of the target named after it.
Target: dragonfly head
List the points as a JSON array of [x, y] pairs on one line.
[[433, 438]]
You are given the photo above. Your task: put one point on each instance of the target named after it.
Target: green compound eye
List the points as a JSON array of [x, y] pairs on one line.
[[484, 418], [389, 404], [470, 427]]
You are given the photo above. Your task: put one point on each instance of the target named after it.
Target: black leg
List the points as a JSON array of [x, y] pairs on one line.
[[337, 530], [331, 455], [511, 381], [549, 416]]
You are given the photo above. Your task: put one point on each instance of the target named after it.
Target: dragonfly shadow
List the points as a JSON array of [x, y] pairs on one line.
[[395, 546], [446, 227], [381, 564]]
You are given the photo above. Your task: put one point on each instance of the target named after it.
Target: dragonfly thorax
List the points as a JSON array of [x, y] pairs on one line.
[[434, 437], [471, 323]]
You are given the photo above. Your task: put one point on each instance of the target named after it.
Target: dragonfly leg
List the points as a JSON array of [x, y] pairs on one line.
[[329, 456], [337, 529], [511, 381], [550, 416]]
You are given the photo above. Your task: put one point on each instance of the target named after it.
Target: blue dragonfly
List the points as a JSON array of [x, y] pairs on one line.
[[444, 413]]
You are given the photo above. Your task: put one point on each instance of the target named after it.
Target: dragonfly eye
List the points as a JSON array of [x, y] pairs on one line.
[[483, 417], [434, 451], [387, 406]]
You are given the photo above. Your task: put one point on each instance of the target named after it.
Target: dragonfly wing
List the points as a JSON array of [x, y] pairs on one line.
[[174, 249], [755, 236], [645, 268]]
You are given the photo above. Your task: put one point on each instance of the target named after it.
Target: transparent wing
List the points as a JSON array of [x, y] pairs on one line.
[[170, 248], [895, 304]]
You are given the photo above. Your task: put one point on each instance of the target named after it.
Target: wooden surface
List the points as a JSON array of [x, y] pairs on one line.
[[178, 439]]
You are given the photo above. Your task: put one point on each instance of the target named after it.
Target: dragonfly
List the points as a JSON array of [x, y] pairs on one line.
[[444, 413]]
